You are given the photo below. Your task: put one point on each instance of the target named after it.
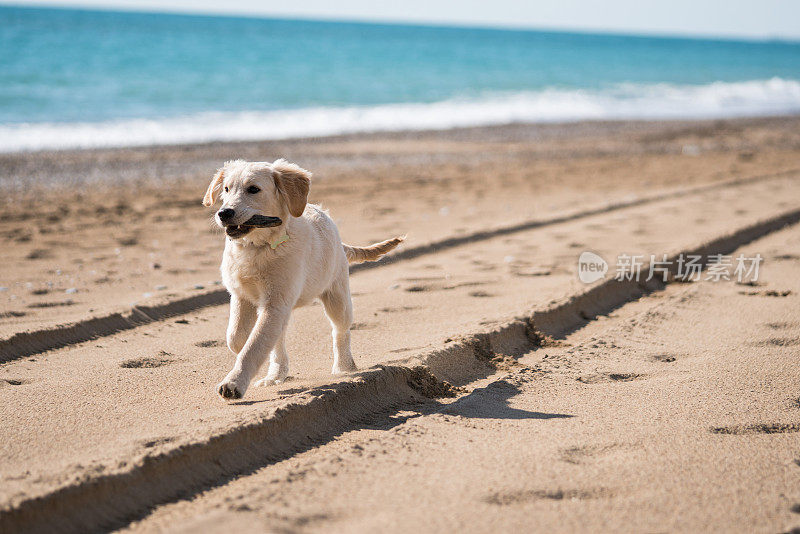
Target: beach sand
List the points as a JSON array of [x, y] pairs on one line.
[[84, 232], [112, 327], [678, 413]]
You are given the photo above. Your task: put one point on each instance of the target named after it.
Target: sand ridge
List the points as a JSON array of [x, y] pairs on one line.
[[27, 343]]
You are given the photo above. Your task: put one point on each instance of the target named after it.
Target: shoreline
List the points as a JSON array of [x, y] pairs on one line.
[[145, 164], [478, 131]]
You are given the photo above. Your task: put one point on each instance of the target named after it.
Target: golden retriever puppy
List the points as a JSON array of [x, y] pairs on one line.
[[280, 253]]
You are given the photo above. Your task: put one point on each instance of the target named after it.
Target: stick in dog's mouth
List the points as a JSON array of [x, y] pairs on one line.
[[256, 221], [263, 221]]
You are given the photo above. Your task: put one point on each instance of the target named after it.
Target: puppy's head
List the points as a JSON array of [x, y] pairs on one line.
[[278, 189]]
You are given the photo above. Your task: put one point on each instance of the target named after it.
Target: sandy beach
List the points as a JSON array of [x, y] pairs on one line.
[[88, 231], [630, 425], [496, 390]]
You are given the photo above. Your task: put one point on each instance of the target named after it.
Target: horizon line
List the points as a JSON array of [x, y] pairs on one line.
[[398, 22]]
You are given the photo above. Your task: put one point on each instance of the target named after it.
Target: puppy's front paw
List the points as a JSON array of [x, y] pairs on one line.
[[267, 381], [234, 386], [344, 367], [276, 374], [230, 391]]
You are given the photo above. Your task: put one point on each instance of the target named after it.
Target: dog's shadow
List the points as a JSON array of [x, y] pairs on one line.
[[281, 394], [490, 402]]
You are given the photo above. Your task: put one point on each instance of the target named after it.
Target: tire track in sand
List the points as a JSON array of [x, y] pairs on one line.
[[23, 344]]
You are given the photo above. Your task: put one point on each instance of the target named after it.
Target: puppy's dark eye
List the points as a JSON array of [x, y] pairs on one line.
[[226, 189], [253, 189]]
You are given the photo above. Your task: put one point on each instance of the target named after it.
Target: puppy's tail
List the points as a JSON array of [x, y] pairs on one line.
[[371, 253]]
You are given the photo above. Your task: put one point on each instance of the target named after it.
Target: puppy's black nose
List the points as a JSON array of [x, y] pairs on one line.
[[225, 214]]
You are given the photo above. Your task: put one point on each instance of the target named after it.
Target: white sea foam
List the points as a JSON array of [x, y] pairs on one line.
[[775, 96]]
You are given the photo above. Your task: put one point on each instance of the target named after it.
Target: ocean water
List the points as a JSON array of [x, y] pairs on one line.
[[76, 78]]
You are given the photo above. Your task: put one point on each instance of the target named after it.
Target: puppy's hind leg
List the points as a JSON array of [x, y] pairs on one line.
[[278, 364], [339, 309]]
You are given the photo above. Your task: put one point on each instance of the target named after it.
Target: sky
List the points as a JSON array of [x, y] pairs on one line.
[[723, 18]]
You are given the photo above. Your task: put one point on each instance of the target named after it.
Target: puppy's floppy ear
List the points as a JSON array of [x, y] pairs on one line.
[[293, 184], [214, 188]]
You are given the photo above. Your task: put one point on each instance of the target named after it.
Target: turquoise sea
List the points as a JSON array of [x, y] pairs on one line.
[[78, 78]]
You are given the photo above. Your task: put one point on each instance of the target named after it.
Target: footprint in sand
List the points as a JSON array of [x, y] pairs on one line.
[[150, 443], [577, 455], [128, 241], [768, 293], [532, 272], [209, 343], [481, 265], [36, 305], [665, 358], [759, 428], [435, 286], [525, 496], [12, 381], [39, 254], [292, 391], [405, 349], [418, 288], [781, 325], [423, 278], [777, 342], [751, 283], [148, 362], [399, 309], [609, 377]]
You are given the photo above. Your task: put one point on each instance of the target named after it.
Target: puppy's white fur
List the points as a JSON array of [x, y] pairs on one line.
[[268, 278]]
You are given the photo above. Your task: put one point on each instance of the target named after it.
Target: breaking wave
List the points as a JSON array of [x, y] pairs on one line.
[[775, 96]]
